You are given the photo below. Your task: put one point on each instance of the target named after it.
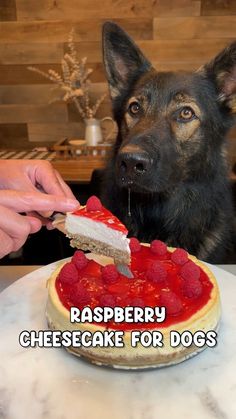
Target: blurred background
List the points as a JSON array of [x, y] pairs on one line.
[[175, 34]]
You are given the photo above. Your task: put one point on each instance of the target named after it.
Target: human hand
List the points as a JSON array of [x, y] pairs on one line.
[[15, 228], [29, 175], [32, 176]]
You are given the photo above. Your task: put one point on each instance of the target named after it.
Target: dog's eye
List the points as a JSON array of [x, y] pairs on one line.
[[134, 108], [186, 114]]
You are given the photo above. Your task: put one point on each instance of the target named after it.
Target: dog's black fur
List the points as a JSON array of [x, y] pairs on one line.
[[170, 148]]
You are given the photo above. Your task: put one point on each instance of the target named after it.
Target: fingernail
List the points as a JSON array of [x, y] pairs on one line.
[[72, 204]]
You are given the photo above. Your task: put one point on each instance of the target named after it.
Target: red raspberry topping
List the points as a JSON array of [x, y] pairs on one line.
[[192, 288], [156, 272], [93, 204], [190, 271], [171, 302], [134, 245], [179, 256], [69, 274], [79, 259], [79, 295], [158, 247], [110, 274], [107, 300]]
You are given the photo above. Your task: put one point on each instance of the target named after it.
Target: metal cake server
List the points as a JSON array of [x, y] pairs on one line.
[[58, 221]]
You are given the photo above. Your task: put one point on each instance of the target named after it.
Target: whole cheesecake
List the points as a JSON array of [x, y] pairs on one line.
[[163, 277]]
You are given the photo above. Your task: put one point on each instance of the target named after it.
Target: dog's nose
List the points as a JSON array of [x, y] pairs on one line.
[[131, 164]]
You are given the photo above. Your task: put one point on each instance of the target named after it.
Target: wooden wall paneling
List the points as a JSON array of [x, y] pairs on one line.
[[45, 31], [82, 9], [19, 53], [177, 8], [13, 135], [204, 27], [33, 113], [218, 7], [182, 50], [7, 10], [40, 94], [19, 74]]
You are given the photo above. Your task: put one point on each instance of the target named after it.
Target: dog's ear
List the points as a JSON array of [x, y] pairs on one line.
[[222, 70], [123, 60]]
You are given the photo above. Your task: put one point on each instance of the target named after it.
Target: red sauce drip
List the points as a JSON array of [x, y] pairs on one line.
[[138, 287], [104, 216]]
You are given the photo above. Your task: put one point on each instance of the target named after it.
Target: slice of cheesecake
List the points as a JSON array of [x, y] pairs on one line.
[[92, 227]]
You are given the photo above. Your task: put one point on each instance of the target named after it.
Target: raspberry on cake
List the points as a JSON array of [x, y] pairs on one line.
[[163, 277], [92, 227]]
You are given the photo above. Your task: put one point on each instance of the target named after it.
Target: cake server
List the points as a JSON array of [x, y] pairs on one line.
[[58, 221]]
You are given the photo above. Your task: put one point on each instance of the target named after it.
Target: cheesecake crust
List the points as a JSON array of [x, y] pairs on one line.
[[85, 243]]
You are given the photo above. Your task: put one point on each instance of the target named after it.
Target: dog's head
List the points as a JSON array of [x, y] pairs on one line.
[[171, 125]]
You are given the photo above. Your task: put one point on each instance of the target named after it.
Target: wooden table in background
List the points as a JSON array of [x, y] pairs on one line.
[[80, 170]]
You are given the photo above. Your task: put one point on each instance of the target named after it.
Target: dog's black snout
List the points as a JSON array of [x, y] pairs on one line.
[[134, 163]]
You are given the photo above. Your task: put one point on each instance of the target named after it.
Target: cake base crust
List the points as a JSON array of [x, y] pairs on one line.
[[98, 247]]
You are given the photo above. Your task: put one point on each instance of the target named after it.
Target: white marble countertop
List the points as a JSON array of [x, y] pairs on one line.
[[43, 383]]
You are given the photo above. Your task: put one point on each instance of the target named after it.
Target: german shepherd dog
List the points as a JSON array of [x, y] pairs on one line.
[[170, 148]]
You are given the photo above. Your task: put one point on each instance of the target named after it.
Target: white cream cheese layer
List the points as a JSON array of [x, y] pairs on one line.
[[96, 230]]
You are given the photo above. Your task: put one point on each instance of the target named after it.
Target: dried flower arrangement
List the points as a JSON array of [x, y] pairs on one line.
[[74, 81]]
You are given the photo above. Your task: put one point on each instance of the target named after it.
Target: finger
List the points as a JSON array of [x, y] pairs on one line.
[[7, 244], [13, 224], [35, 224], [17, 228], [36, 201], [67, 191], [45, 176]]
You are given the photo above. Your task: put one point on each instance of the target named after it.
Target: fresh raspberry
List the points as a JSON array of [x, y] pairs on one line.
[[190, 271], [192, 288], [158, 247], [79, 295], [134, 245], [69, 274], [171, 302], [110, 274], [79, 259], [137, 302], [179, 256], [156, 272], [93, 204], [107, 300]]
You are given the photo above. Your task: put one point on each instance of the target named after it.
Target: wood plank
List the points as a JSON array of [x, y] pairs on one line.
[[19, 74], [161, 50], [177, 8], [33, 113], [58, 31], [53, 132], [7, 10], [64, 9], [183, 50], [40, 94], [195, 27], [31, 53], [218, 7], [13, 136], [164, 50]]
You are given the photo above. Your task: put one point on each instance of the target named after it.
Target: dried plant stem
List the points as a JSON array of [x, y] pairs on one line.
[[74, 80]]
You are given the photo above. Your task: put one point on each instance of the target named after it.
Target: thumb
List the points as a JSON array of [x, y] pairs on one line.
[[36, 201]]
